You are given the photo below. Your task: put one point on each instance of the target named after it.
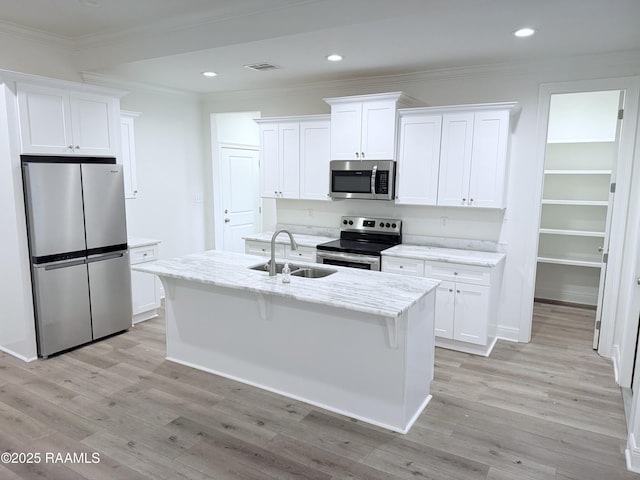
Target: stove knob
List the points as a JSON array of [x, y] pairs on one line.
[[388, 225], [393, 225], [381, 224], [344, 222], [350, 222]]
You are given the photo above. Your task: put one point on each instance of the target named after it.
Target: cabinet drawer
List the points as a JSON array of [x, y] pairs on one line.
[[143, 254], [403, 266], [305, 254], [458, 273], [253, 247]]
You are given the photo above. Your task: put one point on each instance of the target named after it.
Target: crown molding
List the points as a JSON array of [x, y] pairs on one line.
[[13, 29], [115, 82], [381, 83]]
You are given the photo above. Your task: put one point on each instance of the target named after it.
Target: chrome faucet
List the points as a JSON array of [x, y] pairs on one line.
[[272, 262]]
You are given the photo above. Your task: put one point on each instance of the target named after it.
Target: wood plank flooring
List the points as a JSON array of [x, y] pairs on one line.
[[544, 410]]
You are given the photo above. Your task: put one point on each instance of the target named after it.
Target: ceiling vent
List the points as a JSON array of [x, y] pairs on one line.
[[262, 67]]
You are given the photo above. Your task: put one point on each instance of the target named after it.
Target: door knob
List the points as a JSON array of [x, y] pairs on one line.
[[227, 220]]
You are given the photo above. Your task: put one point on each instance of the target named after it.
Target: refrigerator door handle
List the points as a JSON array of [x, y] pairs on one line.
[[62, 264], [105, 256]]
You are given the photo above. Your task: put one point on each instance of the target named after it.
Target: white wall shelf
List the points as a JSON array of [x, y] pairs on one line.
[[566, 261], [584, 203], [577, 172], [575, 233]]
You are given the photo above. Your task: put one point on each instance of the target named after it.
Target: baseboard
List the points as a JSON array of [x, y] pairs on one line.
[[550, 301], [632, 454], [482, 350], [17, 355], [511, 334]]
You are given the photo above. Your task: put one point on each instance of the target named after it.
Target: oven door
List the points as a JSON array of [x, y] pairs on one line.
[[353, 260]]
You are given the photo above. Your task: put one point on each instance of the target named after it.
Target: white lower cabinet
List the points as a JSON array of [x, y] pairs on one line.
[[145, 288], [462, 312], [466, 301]]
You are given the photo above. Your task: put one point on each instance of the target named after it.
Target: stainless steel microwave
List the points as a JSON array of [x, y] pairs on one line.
[[367, 179]]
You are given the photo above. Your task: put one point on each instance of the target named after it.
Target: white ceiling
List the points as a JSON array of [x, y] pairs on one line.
[[168, 43]]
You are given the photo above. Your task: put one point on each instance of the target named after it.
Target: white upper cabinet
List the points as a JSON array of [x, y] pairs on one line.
[[279, 159], [473, 158], [294, 157], [418, 158], [59, 121], [314, 159], [363, 127]]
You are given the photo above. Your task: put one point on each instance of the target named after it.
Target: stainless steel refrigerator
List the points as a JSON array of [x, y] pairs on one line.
[[77, 233]]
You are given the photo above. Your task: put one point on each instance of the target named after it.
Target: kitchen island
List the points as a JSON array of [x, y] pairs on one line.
[[355, 342]]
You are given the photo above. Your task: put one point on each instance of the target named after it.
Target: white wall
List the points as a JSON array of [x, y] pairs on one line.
[[517, 230], [170, 205]]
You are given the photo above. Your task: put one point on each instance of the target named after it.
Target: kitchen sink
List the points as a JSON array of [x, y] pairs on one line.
[[296, 270], [312, 272]]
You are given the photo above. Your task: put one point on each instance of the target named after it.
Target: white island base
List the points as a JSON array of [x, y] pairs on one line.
[[370, 367]]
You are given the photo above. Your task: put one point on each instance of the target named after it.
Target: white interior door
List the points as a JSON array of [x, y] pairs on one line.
[[605, 243], [240, 200]]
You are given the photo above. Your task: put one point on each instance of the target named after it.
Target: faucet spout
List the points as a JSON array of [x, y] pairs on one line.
[[272, 261]]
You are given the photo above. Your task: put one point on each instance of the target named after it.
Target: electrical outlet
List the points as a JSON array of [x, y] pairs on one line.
[[311, 212], [443, 221], [197, 198]]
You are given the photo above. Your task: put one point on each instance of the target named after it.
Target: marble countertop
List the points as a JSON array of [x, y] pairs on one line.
[[134, 242], [377, 293], [449, 255], [302, 239]]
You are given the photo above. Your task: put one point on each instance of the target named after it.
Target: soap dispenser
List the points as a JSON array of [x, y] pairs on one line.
[[286, 273]]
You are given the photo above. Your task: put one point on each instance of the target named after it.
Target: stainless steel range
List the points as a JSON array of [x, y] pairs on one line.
[[362, 240]]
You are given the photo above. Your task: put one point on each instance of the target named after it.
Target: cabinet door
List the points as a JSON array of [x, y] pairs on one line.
[[45, 120], [145, 296], [489, 159], [471, 320], [445, 309], [289, 160], [378, 130], [418, 160], [455, 159], [314, 160], [269, 172], [128, 157], [94, 123], [346, 130]]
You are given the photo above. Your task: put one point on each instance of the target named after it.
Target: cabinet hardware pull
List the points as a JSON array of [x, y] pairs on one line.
[[357, 155], [464, 200], [600, 249], [471, 200], [457, 291], [77, 147], [362, 154], [70, 147], [455, 273], [451, 289]]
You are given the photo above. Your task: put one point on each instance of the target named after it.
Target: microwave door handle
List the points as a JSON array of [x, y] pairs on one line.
[[374, 171]]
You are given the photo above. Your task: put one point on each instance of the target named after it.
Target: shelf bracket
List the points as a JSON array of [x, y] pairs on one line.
[[392, 331], [264, 307]]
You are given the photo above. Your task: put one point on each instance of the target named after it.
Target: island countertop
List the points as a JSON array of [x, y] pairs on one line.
[[302, 239], [377, 293]]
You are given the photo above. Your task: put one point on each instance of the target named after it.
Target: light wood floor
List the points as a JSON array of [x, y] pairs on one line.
[[544, 410]]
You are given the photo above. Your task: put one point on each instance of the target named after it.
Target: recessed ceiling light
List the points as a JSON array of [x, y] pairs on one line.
[[524, 32], [209, 74], [334, 57]]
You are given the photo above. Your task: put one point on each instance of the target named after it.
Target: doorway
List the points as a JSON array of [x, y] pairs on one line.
[[235, 177], [578, 196]]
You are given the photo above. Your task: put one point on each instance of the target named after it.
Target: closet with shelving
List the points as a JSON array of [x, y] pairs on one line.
[[579, 166]]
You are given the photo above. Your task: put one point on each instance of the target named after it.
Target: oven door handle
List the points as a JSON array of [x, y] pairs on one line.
[[370, 260], [374, 172]]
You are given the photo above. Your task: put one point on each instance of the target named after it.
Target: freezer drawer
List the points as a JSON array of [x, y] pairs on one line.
[[63, 316], [104, 210], [54, 208], [110, 290]]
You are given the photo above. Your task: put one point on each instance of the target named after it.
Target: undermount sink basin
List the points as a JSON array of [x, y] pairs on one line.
[[296, 270], [312, 272]]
